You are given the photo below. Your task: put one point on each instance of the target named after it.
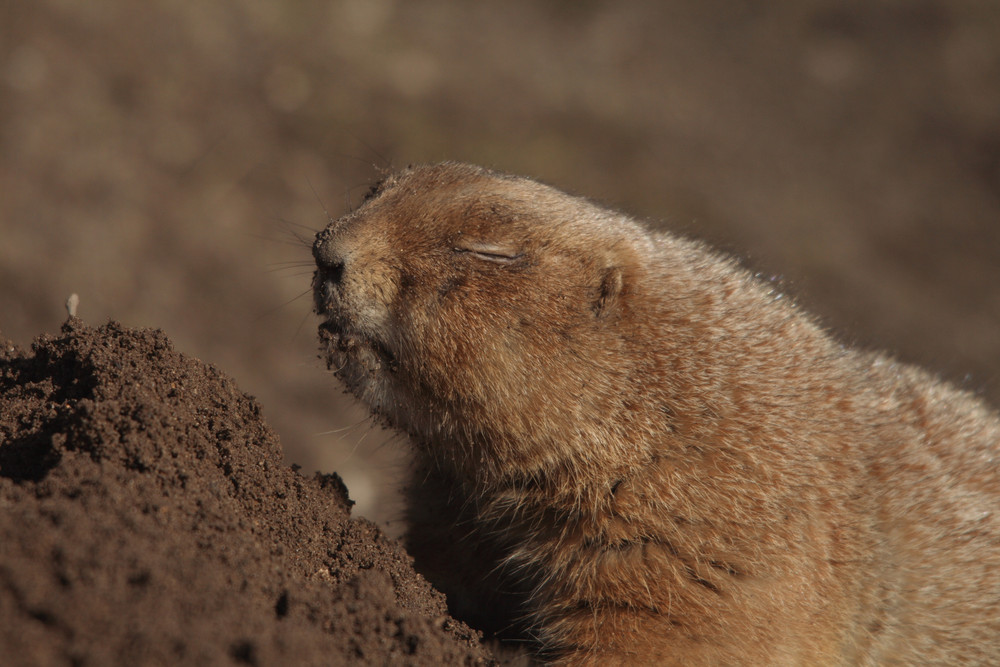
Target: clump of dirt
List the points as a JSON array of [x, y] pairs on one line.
[[146, 518]]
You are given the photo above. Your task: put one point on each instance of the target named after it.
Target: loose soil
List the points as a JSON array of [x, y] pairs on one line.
[[146, 517]]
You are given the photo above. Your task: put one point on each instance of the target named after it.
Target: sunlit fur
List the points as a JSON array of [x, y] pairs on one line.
[[638, 453]]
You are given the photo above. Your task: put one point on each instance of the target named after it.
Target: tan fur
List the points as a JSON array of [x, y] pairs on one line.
[[645, 455]]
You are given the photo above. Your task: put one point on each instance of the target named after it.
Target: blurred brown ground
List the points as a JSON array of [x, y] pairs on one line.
[[154, 155]]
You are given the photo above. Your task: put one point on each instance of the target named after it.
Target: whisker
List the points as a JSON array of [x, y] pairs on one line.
[[286, 227], [302, 323], [271, 311], [342, 429], [386, 162], [358, 444], [321, 204], [290, 266], [306, 272], [297, 243], [300, 225]]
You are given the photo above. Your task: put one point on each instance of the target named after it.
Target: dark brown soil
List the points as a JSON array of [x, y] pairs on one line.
[[146, 517]]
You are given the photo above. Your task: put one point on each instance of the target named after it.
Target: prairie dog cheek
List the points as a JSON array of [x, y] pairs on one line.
[[369, 290]]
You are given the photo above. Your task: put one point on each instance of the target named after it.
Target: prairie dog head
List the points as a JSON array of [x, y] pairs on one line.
[[479, 312]]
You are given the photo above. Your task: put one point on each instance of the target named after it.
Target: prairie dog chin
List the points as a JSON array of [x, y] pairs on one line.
[[632, 449]]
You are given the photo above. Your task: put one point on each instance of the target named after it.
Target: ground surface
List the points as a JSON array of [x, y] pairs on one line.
[[147, 518], [153, 157]]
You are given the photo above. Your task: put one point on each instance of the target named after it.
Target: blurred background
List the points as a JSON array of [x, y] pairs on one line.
[[159, 159]]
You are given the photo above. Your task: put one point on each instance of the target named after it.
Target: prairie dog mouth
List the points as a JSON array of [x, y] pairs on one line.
[[324, 299], [339, 339]]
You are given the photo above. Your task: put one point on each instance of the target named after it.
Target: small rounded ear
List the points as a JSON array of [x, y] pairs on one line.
[[609, 292]]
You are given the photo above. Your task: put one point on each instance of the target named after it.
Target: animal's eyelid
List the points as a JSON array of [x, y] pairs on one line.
[[491, 252]]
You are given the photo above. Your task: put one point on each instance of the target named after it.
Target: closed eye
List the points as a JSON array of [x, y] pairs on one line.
[[490, 252]]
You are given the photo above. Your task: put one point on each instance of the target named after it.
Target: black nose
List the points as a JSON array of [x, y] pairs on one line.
[[330, 263]]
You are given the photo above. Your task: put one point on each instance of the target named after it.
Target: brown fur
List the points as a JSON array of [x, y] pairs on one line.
[[644, 453]]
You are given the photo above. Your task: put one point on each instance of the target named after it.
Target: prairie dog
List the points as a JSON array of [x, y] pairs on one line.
[[640, 453]]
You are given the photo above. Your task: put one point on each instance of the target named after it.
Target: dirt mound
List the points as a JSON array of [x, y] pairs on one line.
[[146, 518]]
